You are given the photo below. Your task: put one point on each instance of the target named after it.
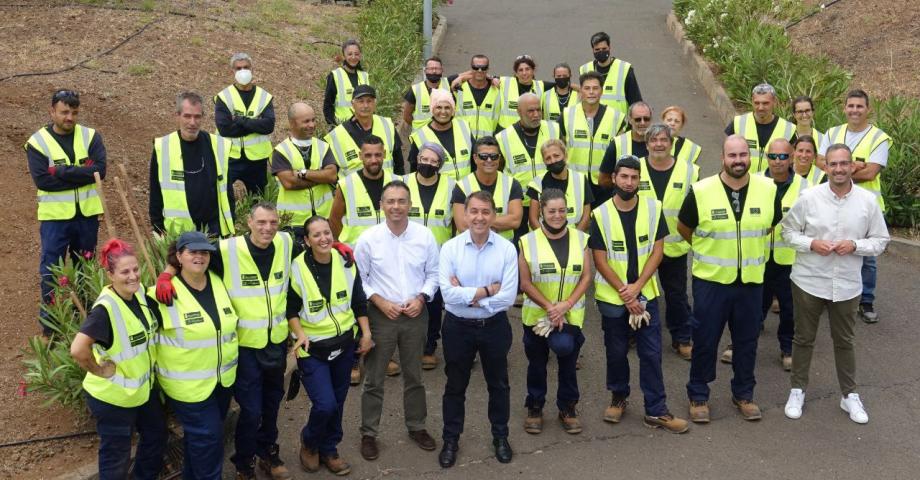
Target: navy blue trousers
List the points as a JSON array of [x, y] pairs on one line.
[[60, 238], [258, 391], [776, 283], [677, 316], [203, 426], [115, 426], [435, 310], [537, 350], [326, 382]]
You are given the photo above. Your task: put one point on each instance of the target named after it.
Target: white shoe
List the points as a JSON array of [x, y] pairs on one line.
[[853, 405], [795, 403]]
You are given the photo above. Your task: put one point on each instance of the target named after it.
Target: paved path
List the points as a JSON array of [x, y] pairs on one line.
[[823, 444]]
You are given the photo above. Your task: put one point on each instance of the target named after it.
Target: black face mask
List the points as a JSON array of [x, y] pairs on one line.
[[426, 170], [624, 195], [563, 82], [602, 56], [554, 231], [433, 77], [556, 167]]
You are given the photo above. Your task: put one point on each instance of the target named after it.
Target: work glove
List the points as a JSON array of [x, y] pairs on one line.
[[347, 253], [88, 162], [543, 327], [636, 321], [165, 290], [52, 170]]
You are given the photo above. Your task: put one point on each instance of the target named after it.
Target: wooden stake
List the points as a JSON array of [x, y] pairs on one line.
[[109, 225], [76, 301], [141, 244]]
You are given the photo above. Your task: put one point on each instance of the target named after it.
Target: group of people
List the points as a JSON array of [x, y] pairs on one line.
[[511, 186]]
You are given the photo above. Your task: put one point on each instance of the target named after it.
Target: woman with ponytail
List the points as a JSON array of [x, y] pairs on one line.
[[116, 348], [341, 84]]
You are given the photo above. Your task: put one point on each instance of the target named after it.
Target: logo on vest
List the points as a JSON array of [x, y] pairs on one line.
[[341, 294], [314, 306], [512, 105], [488, 106], [365, 211], [250, 280], [608, 88], [415, 212], [520, 158], [228, 311], [547, 268], [464, 152], [605, 136], [644, 185], [438, 211], [618, 245], [467, 105], [177, 175], [576, 268], [192, 318], [137, 339], [643, 238], [677, 185], [581, 134], [279, 275], [752, 144], [755, 211], [570, 210], [718, 214], [351, 155]]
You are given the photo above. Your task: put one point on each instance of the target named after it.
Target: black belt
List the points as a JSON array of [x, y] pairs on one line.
[[476, 322]]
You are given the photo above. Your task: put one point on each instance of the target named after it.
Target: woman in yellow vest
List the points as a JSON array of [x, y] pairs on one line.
[[197, 353], [510, 88], [805, 154], [115, 346], [803, 116], [555, 272], [326, 305], [683, 148], [341, 83]]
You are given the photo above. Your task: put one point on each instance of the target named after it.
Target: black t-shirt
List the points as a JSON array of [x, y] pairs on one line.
[[281, 164], [517, 193], [479, 94], [764, 130], [205, 298], [322, 275], [358, 134], [98, 326], [445, 137], [549, 181], [690, 217], [659, 179], [427, 193], [560, 248], [639, 149], [374, 188], [593, 122], [529, 141], [631, 85], [263, 257], [200, 176], [628, 220]]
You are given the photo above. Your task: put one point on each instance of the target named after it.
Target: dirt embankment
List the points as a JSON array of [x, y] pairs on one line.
[[128, 96]]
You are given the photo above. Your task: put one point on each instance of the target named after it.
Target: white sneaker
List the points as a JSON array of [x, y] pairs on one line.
[[853, 405], [795, 403]]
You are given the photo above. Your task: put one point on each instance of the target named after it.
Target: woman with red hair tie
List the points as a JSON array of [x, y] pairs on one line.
[[115, 347]]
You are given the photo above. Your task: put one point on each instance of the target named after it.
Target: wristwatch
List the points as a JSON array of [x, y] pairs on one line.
[[302, 173]]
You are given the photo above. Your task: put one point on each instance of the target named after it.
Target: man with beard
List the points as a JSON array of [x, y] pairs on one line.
[[631, 142], [450, 133], [727, 218], [417, 101]]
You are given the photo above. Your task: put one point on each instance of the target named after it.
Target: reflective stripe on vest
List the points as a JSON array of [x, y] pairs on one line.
[[304, 203], [721, 245], [683, 174], [509, 94], [62, 205], [439, 215], [321, 318], [347, 153], [481, 118], [422, 112], [585, 149], [344, 91], [648, 215], [614, 88], [455, 166], [574, 195], [259, 304], [501, 195], [861, 153], [550, 101], [177, 218], [746, 126], [256, 145], [518, 161], [132, 351], [554, 282], [782, 253], [360, 211], [689, 151]]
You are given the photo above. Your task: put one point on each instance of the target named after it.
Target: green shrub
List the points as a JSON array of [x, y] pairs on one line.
[[899, 117]]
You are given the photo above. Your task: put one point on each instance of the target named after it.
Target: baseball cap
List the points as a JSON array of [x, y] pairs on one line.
[[195, 241], [363, 91]]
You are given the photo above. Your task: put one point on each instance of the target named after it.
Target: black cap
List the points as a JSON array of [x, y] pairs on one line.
[[195, 241], [363, 91]]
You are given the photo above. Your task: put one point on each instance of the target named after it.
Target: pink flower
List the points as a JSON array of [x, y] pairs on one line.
[[88, 255], [63, 281]]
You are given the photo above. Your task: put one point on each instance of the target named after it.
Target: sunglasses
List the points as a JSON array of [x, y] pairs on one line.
[[481, 68], [488, 157], [642, 119], [62, 94], [778, 156], [524, 57]]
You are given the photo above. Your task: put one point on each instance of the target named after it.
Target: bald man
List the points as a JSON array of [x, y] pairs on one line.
[[451, 133], [727, 219], [306, 169]]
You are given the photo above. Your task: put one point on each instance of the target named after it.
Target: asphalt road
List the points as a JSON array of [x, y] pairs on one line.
[[823, 444]]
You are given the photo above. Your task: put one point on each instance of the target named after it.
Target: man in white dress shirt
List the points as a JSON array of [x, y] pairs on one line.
[[398, 264], [832, 227]]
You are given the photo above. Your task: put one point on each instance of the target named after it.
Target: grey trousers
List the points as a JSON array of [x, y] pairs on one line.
[[807, 311], [409, 335]]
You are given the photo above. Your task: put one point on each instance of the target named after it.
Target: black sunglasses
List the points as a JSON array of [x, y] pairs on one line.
[[62, 94], [778, 156], [524, 57], [481, 68], [487, 156]]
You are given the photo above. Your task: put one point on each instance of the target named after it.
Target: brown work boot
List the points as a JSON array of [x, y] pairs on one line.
[[699, 412], [668, 422], [356, 373], [423, 440], [614, 412], [534, 422], [309, 459], [429, 362], [569, 419], [336, 465], [786, 358], [749, 410], [727, 355], [273, 466], [369, 448], [393, 369], [683, 350]]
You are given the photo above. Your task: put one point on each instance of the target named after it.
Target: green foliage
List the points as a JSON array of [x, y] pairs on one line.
[[140, 69], [748, 43], [243, 205]]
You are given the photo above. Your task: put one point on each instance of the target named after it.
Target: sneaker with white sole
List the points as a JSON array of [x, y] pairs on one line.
[[853, 405], [795, 403]]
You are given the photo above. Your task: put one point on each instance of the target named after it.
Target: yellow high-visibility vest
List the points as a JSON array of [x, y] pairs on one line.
[[682, 177], [584, 149], [344, 90], [422, 113], [316, 200], [501, 195], [518, 161], [574, 195], [782, 253], [62, 205], [361, 212], [482, 118], [322, 319], [439, 217], [508, 100], [648, 214], [347, 152], [689, 151], [256, 145], [457, 165], [873, 138], [551, 279], [746, 126], [614, 89], [551, 109]]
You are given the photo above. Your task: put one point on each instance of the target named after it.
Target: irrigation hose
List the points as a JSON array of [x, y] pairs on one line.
[[823, 7], [47, 439]]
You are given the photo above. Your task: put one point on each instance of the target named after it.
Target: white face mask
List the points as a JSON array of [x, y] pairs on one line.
[[244, 76]]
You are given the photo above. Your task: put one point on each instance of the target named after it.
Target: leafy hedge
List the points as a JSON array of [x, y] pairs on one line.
[[748, 44]]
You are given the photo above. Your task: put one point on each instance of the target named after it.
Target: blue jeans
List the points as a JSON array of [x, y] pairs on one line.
[[326, 382], [203, 426], [58, 238], [115, 425], [537, 350], [714, 306], [258, 391], [435, 310], [776, 282], [648, 347], [677, 316], [869, 274]]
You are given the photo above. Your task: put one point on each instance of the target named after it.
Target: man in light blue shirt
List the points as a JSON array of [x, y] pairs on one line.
[[478, 276]]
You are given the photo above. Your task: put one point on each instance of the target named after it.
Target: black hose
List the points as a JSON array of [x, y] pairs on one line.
[[47, 439], [796, 22]]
